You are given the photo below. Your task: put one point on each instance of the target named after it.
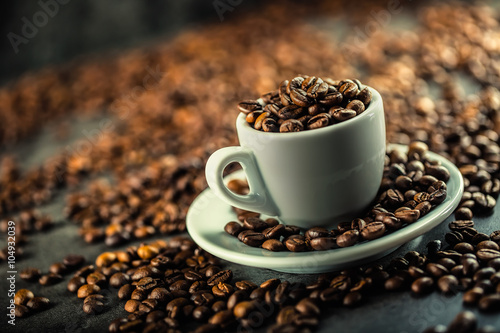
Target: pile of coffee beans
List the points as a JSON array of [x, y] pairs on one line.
[[26, 302], [306, 102], [171, 128], [412, 185]]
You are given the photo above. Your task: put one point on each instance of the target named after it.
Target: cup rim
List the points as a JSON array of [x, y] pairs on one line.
[[241, 123]]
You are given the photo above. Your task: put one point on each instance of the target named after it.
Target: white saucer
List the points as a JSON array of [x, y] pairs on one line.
[[208, 215]]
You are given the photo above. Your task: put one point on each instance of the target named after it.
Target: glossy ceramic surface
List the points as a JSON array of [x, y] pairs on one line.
[[208, 214]]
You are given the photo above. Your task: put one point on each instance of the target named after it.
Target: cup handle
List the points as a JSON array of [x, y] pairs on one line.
[[257, 199]]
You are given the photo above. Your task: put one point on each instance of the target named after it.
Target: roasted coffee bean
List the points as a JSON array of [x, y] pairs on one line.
[[453, 237], [222, 318], [487, 244], [464, 248], [479, 237], [84, 271], [464, 322], [233, 228], [373, 230], [472, 296], [291, 230], [20, 310], [274, 232], [254, 239], [147, 252], [408, 216], [423, 207], [436, 270], [222, 290], [487, 254], [75, 283], [349, 90], [38, 303], [222, 276], [88, 289], [461, 224], [291, 125], [356, 105], [436, 329], [149, 283], [254, 223], [273, 245], [470, 266], [243, 309], [22, 296], [463, 213], [245, 285], [323, 243], [132, 305], [118, 279], [365, 96], [340, 114], [295, 83], [331, 98], [50, 279], [96, 278], [93, 307], [352, 299], [490, 303], [318, 121], [125, 291], [160, 294], [433, 247], [73, 260], [248, 106], [30, 274], [318, 90], [296, 243], [423, 285], [483, 274], [348, 238], [139, 294], [316, 232], [299, 97], [448, 284]]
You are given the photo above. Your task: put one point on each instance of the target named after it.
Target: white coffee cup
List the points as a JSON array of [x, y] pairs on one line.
[[311, 178]]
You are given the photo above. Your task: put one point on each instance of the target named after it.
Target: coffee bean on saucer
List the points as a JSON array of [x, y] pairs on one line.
[[273, 245]]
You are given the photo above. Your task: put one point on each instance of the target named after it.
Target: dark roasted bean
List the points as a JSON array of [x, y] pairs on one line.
[[348, 238], [464, 322], [22, 296], [273, 245], [248, 106], [38, 303], [30, 274], [373, 230], [296, 243], [423, 285]]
